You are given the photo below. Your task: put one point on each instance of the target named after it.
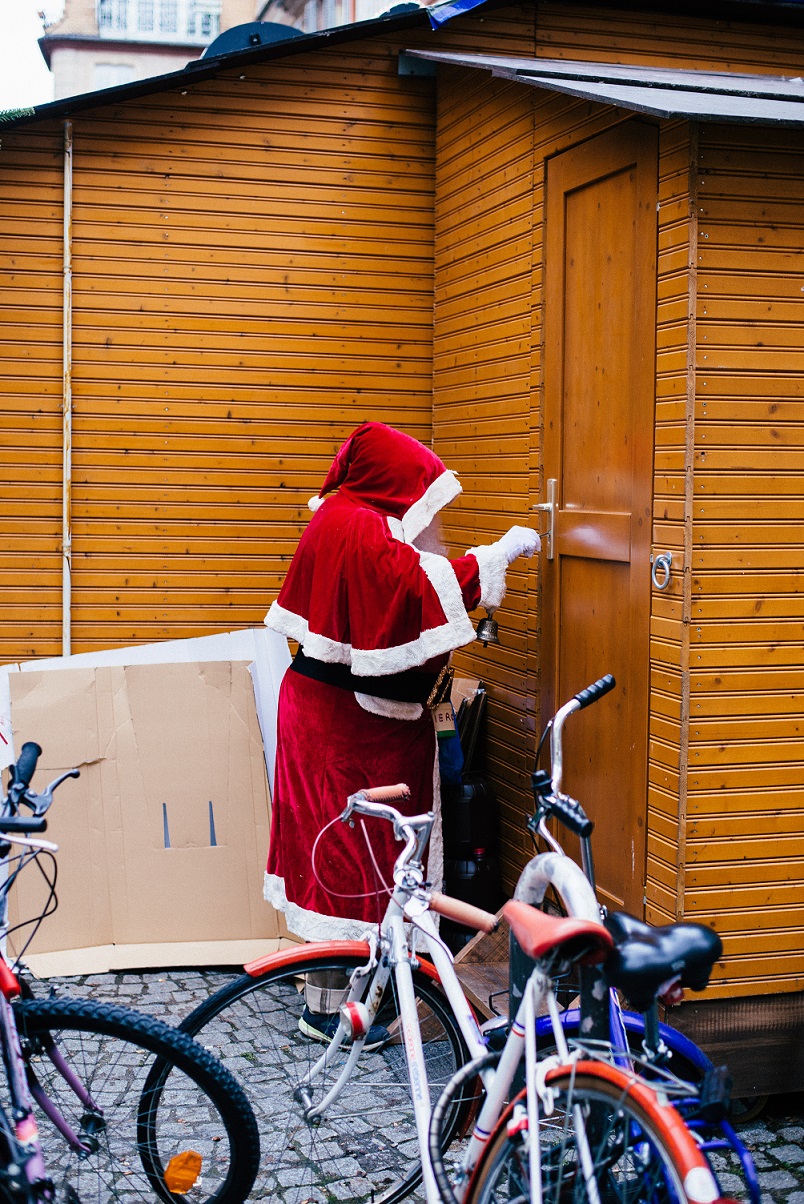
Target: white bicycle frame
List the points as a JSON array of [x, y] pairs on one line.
[[410, 904]]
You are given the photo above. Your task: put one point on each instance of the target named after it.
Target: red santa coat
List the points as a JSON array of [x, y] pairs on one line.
[[373, 611]]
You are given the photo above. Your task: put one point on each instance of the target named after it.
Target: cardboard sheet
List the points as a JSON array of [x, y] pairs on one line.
[[163, 837], [267, 651]]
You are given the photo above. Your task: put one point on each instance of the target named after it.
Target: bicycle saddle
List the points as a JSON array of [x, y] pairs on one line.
[[539, 934], [645, 959]]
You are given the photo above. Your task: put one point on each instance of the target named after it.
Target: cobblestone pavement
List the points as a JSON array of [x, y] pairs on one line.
[[776, 1138]]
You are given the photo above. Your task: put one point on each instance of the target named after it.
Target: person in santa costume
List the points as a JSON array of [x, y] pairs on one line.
[[376, 616]]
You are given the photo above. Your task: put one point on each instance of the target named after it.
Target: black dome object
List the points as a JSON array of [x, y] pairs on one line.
[[252, 33]]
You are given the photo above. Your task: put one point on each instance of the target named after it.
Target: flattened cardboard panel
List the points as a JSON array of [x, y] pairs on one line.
[[84, 915], [103, 958], [163, 838]]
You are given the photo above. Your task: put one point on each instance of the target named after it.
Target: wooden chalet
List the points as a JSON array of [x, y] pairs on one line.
[[564, 242]]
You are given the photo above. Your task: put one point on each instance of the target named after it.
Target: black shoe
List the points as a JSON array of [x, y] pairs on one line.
[[320, 1027]]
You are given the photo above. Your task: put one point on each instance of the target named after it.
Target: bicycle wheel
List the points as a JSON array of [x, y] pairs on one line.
[[716, 1138], [188, 1134], [365, 1146], [641, 1152]]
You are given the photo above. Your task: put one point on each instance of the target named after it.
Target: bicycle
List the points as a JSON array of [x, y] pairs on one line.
[[97, 1100], [346, 1124], [632, 1039]]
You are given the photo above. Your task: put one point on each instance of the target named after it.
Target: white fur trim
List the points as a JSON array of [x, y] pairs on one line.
[[435, 498], [493, 563], [457, 631], [378, 662], [435, 854], [396, 528], [309, 925], [315, 503], [295, 628], [389, 708]]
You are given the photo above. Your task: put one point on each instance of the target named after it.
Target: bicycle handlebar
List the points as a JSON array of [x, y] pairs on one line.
[[571, 814], [463, 913], [406, 827], [26, 764], [583, 698], [19, 792], [385, 794], [11, 825], [590, 694]]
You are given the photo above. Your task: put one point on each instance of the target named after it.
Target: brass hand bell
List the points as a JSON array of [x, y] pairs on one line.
[[487, 630]]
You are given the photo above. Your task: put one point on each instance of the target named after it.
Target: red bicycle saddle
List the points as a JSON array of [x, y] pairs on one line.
[[538, 934], [645, 959]]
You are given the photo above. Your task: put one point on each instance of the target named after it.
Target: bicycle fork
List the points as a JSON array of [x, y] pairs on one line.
[[522, 1038], [25, 1138]]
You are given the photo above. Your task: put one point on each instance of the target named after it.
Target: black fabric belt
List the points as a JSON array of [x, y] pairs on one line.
[[410, 686]]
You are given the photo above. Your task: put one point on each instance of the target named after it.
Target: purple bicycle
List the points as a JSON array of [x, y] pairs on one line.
[[99, 1102]]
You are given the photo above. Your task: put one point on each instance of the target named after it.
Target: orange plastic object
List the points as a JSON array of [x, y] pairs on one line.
[[182, 1172], [8, 981]]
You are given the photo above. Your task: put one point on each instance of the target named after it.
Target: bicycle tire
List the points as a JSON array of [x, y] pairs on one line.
[[686, 1062], [365, 1147], [113, 1050], [641, 1151]]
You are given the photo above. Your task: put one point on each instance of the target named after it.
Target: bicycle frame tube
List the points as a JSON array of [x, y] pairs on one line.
[[632, 1022], [452, 988], [378, 979], [26, 1132], [414, 1051]]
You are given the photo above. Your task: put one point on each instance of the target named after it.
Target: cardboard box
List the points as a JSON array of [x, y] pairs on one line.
[[162, 840]]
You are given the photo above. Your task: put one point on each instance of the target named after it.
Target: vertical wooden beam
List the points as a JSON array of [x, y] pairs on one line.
[[689, 484]]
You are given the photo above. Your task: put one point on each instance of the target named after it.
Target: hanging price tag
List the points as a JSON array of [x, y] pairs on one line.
[[444, 718]]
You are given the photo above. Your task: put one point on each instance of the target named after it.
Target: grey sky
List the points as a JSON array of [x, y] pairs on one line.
[[24, 77]]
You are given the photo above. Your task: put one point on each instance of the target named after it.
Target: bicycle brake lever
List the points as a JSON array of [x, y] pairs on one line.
[[40, 803]]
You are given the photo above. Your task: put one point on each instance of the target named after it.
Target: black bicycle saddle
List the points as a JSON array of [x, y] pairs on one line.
[[644, 959]]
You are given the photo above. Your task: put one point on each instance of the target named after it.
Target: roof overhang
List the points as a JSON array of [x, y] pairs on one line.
[[659, 91]]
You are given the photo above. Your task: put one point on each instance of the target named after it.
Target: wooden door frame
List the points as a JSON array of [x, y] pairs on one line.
[[585, 163]]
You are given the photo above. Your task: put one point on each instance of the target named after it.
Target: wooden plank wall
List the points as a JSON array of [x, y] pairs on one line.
[[30, 402], [745, 849], [726, 755], [252, 278], [482, 385], [672, 520], [666, 39], [492, 142]]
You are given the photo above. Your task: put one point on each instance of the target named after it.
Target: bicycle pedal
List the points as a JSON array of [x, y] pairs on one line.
[[715, 1094]]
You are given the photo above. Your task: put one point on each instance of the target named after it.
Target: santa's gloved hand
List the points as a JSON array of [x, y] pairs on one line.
[[519, 541]]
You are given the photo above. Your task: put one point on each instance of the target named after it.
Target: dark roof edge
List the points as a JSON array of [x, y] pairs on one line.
[[208, 68]]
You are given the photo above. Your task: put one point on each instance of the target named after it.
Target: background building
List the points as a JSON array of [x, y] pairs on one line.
[[100, 43]]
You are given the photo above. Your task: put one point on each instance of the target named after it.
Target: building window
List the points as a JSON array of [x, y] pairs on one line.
[[145, 15], [108, 75], [113, 16], [160, 20], [310, 17], [203, 19]]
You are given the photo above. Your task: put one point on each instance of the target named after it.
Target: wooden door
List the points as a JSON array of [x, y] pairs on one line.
[[600, 307]]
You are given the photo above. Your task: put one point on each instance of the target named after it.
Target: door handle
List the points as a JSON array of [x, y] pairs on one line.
[[550, 509], [661, 568]]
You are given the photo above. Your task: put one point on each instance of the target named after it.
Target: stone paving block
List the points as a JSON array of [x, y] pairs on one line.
[[776, 1180], [788, 1153], [775, 1139]]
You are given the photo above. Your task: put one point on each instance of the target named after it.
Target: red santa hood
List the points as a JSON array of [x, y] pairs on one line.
[[358, 591], [392, 473]]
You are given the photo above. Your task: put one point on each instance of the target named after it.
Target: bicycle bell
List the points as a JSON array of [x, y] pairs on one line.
[[487, 630]]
